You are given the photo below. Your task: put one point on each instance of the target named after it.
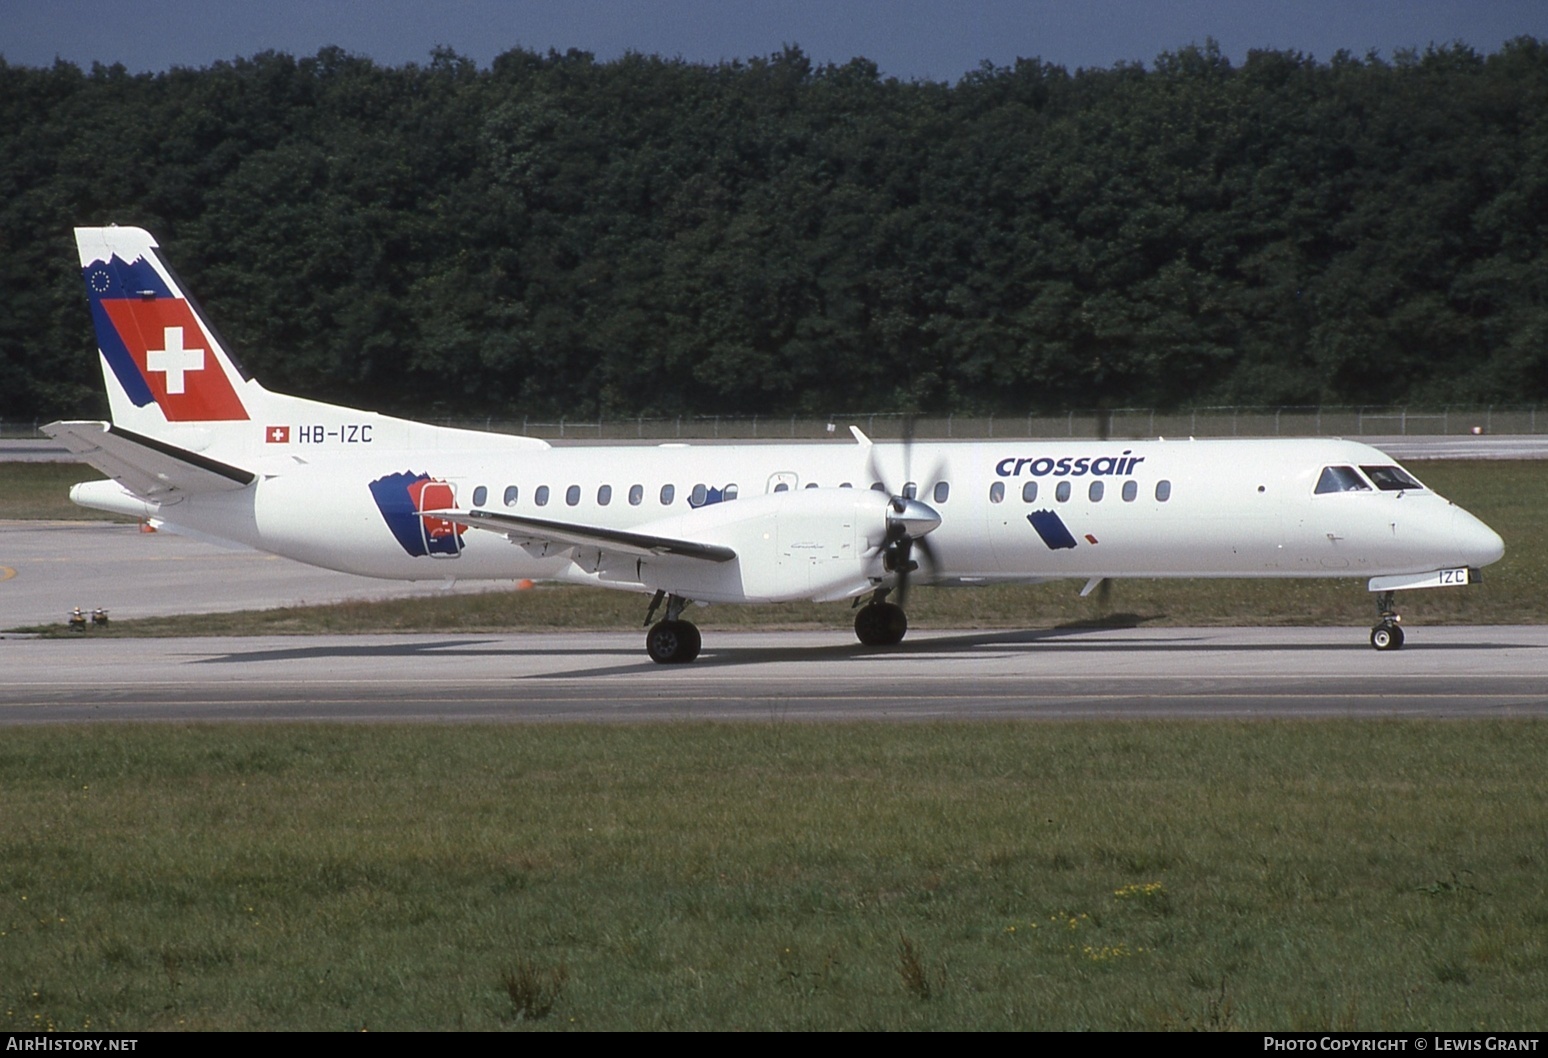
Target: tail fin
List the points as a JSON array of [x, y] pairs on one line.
[[171, 381], [162, 361]]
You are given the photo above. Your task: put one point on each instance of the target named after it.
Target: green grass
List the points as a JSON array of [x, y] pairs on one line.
[[1338, 875], [1510, 496], [42, 491]]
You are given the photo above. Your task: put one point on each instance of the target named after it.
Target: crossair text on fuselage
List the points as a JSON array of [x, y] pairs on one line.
[[1070, 466]]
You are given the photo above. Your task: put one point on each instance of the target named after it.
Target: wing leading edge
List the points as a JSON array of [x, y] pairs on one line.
[[622, 541]]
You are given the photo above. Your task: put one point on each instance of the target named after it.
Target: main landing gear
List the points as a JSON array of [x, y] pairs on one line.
[[1388, 634], [879, 623], [672, 641]]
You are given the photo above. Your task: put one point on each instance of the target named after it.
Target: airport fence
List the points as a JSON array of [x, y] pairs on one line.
[[1133, 423]]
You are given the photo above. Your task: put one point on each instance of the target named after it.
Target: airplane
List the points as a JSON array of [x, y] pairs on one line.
[[197, 446]]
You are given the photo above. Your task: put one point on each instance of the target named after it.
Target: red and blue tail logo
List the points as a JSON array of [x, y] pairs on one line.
[[401, 498], [155, 346]]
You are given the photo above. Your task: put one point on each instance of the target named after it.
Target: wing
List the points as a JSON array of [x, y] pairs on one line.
[[143, 465], [620, 541]]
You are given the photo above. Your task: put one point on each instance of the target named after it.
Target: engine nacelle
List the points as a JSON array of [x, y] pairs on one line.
[[817, 544]]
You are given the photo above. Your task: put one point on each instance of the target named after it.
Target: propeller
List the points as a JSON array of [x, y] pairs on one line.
[[909, 520]]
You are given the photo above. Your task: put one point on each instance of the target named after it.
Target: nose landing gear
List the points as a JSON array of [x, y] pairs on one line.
[[1388, 633]]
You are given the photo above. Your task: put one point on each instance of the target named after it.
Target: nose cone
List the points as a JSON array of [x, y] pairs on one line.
[[1476, 542], [915, 519]]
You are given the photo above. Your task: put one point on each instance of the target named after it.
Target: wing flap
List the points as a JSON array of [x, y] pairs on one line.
[[145, 466], [619, 541]]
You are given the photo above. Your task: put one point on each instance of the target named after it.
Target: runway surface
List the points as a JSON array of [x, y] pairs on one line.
[[1456, 672]]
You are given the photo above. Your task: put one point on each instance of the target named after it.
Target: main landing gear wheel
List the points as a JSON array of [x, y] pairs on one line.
[[673, 642], [881, 624], [1387, 636]]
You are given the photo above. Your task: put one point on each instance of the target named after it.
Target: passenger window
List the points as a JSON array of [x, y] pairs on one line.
[[729, 493], [877, 486], [942, 490], [510, 495], [1163, 491], [1094, 493], [997, 492], [811, 484], [845, 485], [668, 492], [1391, 479], [636, 495], [572, 495], [604, 495], [1340, 479], [1029, 492], [1062, 491], [1130, 490], [697, 497], [541, 498], [480, 494], [782, 486]]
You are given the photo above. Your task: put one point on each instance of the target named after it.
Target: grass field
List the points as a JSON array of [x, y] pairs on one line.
[[1223, 875], [42, 490], [1335, 875], [1510, 496]]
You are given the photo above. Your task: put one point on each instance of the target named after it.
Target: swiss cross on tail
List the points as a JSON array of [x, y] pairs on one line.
[[154, 344]]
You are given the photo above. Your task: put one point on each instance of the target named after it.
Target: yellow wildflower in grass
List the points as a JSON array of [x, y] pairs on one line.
[[1140, 889], [1150, 896], [1109, 952]]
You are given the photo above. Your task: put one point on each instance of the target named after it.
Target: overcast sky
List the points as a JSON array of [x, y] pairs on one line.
[[935, 39]]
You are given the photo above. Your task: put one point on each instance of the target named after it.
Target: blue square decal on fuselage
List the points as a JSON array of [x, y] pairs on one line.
[[1052, 529]]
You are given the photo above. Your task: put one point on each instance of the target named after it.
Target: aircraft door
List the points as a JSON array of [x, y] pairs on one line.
[[442, 537], [783, 481]]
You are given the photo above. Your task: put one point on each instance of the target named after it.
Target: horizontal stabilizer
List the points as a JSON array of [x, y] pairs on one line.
[[143, 465], [620, 541]]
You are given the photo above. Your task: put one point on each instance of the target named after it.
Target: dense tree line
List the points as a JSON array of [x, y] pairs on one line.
[[555, 234]]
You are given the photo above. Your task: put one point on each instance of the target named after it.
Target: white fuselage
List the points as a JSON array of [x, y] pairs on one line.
[[1126, 509], [199, 446]]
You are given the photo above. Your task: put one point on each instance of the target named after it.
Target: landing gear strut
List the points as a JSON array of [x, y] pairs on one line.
[[672, 641], [1388, 634], [879, 623]]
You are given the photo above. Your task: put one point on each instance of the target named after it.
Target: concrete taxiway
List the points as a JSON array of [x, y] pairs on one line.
[[48, 567], [1456, 672]]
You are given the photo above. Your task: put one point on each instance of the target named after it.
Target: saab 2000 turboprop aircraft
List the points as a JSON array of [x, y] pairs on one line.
[[197, 446]]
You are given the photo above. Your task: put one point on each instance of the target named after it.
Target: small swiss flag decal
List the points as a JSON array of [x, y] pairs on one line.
[[277, 435]]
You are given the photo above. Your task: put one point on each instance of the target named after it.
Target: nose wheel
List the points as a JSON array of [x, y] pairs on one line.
[[1388, 634]]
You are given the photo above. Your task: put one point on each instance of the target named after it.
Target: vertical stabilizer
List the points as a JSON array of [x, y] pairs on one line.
[[171, 379], [165, 368]]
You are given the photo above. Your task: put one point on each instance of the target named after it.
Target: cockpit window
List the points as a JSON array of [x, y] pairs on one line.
[[1341, 479], [1390, 479]]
